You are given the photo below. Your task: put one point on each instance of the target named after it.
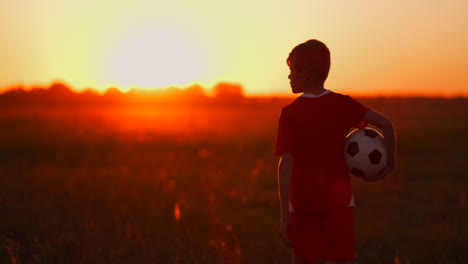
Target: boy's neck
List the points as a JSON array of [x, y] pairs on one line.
[[315, 89]]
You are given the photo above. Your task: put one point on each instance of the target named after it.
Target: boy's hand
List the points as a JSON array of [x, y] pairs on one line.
[[387, 170], [285, 232]]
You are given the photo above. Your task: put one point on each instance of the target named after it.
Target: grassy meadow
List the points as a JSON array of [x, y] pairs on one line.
[[141, 184]]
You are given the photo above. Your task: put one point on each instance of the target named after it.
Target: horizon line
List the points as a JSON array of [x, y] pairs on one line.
[[245, 93]]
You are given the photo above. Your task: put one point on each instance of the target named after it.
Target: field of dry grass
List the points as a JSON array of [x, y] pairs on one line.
[[198, 185]]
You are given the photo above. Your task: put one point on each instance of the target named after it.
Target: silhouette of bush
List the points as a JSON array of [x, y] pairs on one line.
[[228, 91], [59, 89]]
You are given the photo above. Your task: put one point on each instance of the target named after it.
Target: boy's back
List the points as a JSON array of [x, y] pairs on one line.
[[313, 181], [313, 130]]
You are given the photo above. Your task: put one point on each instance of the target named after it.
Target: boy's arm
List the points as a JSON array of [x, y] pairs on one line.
[[284, 181], [386, 125]]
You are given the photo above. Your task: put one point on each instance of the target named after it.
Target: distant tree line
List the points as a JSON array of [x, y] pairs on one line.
[[59, 93]]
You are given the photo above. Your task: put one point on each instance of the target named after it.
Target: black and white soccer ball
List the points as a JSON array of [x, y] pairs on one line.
[[365, 152]]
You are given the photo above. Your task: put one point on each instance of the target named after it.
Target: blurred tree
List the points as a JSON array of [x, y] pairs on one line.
[[195, 92], [59, 89], [228, 91]]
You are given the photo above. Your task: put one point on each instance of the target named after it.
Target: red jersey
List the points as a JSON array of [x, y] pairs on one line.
[[314, 130]]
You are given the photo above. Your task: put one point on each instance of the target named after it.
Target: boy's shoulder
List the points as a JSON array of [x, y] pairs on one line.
[[331, 98]]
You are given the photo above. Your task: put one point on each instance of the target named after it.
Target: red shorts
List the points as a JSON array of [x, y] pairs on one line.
[[323, 235]]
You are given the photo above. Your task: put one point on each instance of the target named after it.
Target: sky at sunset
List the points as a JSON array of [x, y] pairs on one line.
[[378, 47]]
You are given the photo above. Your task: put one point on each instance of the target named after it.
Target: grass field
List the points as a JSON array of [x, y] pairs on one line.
[[198, 185]]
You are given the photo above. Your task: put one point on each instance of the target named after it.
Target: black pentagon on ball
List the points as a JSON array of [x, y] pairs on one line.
[[375, 157], [370, 133], [357, 172], [352, 149]]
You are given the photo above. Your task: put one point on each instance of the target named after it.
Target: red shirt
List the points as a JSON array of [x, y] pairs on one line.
[[314, 130]]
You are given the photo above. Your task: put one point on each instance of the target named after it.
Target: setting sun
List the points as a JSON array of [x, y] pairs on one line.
[[155, 56]]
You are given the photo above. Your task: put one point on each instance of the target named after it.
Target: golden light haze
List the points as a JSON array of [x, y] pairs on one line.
[[378, 47]]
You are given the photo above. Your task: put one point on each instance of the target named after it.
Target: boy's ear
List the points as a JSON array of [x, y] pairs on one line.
[[304, 74]]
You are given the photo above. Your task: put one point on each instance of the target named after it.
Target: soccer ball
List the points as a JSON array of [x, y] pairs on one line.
[[365, 152]]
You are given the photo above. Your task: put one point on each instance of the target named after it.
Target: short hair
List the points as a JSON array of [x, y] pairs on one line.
[[312, 55]]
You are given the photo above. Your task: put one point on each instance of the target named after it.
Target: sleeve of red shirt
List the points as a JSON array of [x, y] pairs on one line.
[[283, 136], [356, 111]]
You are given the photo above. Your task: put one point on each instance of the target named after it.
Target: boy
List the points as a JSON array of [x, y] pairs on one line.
[[313, 180]]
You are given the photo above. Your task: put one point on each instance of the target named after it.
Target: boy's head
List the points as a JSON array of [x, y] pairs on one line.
[[310, 60]]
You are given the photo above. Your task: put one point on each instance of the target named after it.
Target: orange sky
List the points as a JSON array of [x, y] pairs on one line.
[[378, 47]]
